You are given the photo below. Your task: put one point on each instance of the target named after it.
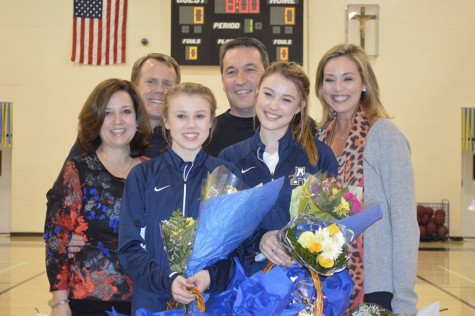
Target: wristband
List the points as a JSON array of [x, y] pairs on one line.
[[61, 302]]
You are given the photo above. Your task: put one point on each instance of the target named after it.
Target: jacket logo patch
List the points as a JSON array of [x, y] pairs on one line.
[[299, 176], [160, 189]]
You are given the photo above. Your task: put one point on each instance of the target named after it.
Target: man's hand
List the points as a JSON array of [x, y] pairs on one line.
[[75, 245]]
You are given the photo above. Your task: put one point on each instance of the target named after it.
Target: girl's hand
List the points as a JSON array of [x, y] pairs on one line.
[[271, 248], [179, 291], [200, 280]]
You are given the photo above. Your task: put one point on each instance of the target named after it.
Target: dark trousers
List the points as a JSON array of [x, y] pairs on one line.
[[98, 308], [381, 298]]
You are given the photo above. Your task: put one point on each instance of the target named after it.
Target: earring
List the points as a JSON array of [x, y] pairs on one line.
[[364, 89]]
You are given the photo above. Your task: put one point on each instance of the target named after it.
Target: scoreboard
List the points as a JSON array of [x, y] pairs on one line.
[[200, 27]]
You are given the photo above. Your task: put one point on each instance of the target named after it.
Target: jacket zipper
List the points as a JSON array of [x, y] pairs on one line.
[[185, 179], [259, 158]]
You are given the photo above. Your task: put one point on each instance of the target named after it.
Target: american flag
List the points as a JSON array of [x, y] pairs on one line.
[[99, 32]]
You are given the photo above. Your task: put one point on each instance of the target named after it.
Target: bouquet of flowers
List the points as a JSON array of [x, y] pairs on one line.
[[222, 225], [324, 197], [178, 234], [321, 246], [327, 217]]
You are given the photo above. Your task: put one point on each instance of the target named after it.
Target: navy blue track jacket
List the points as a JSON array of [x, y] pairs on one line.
[[154, 189], [293, 162]]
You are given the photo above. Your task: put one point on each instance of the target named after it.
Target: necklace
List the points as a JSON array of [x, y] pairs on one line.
[[336, 137]]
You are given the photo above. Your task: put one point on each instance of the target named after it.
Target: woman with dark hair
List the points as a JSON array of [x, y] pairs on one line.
[[86, 200]]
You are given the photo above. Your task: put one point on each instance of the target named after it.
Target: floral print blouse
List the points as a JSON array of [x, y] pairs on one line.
[[86, 201]]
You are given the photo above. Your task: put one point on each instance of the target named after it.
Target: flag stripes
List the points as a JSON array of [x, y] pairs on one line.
[[99, 39]]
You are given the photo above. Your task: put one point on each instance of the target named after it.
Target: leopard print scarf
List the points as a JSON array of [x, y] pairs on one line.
[[350, 172]]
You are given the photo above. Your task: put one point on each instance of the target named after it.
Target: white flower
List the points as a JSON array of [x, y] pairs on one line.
[[330, 249], [339, 239], [321, 235]]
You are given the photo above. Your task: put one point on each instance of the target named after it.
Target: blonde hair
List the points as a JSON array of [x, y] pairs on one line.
[[370, 99], [189, 88]]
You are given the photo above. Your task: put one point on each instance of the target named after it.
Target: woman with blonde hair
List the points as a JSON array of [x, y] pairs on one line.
[[374, 157]]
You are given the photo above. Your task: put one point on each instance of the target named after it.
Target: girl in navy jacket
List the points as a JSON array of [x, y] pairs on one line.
[[157, 187], [283, 146]]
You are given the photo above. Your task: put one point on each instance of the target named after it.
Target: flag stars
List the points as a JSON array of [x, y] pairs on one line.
[[91, 9]]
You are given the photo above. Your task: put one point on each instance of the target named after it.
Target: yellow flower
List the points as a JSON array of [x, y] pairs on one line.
[[230, 189], [343, 208], [335, 191], [315, 247], [333, 229], [189, 222], [325, 262], [306, 239]]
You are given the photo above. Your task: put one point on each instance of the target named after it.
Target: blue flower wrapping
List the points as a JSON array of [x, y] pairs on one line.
[[222, 303], [359, 222], [270, 293], [223, 226], [144, 312]]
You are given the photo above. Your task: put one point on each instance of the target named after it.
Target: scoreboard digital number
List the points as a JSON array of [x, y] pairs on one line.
[[200, 27], [230, 7]]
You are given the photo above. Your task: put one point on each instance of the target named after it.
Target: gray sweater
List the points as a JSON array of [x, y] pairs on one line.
[[391, 244]]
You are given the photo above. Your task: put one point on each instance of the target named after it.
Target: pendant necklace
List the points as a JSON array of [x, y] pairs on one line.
[[334, 132]]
